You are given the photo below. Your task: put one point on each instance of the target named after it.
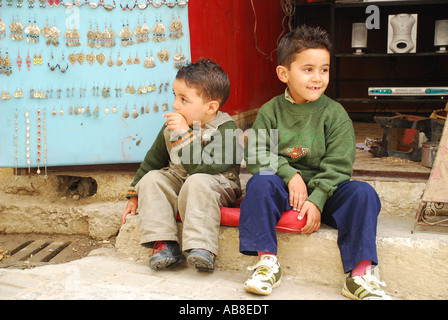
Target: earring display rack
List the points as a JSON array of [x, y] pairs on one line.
[[86, 83]]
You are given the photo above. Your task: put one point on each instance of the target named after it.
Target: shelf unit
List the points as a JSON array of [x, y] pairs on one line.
[[352, 74]]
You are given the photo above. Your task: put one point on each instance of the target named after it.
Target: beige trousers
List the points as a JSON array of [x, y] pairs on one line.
[[197, 198]]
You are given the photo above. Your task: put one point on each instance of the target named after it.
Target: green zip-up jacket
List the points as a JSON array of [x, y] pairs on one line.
[[315, 139]]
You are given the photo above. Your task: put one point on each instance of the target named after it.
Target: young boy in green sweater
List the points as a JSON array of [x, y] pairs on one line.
[[191, 169], [308, 170]]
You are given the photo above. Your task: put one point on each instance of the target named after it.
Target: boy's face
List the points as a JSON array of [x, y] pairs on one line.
[[308, 75], [190, 104]]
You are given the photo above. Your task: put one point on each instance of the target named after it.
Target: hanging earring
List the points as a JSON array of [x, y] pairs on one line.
[[19, 60], [81, 57], [145, 31], [35, 33], [91, 58], [97, 38], [63, 66], [51, 65], [121, 34], [112, 36], [149, 61], [28, 61], [45, 143], [72, 58], [110, 62], [163, 55], [134, 112], [90, 36], [176, 29], [105, 38], [179, 60], [137, 59], [159, 31], [16, 149], [137, 32], [54, 34], [2, 29], [27, 32], [128, 34], [129, 60], [101, 58], [7, 65], [16, 30], [27, 148], [38, 139], [119, 61], [125, 112]]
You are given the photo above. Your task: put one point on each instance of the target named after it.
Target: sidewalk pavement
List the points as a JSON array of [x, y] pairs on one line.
[[104, 275]]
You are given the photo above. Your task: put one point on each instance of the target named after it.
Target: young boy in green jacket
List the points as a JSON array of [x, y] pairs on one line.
[[301, 152], [191, 169]]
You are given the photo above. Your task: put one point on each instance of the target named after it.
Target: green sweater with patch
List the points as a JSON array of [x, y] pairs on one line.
[[315, 139]]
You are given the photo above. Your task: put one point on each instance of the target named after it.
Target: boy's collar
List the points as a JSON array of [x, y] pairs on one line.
[[289, 97]]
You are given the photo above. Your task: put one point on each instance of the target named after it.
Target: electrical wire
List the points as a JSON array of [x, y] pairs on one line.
[[289, 9]]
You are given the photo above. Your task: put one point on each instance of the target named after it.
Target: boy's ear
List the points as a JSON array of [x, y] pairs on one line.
[[282, 73], [213, 106]]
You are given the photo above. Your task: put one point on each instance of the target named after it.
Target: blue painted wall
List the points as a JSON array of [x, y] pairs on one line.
[[90, 137]]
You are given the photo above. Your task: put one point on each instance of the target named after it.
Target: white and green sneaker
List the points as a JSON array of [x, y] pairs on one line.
[[267, 275], [366, 287]]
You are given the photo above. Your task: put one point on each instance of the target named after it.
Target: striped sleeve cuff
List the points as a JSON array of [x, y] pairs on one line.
[[184, 139], [131, 193]]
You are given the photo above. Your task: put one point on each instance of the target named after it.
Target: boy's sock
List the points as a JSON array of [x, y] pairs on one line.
[[260, 253], [361, 268]]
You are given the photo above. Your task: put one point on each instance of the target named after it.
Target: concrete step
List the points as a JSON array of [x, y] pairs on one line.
[[412, 265]]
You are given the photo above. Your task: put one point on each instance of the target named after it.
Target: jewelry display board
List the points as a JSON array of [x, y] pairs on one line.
[[84, 82]]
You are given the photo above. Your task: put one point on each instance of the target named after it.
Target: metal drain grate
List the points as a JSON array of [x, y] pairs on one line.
[[26, 252], [33, 253]]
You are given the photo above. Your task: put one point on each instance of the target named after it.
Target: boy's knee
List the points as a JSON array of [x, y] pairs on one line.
[[364, 193], [198, 181], [363, 189], [150, 178], [265, 180]]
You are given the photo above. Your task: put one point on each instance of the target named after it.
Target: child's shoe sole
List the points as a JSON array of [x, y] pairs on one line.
[[198, 259], [165, 263]]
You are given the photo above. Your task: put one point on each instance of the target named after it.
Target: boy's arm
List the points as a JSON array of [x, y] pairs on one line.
[[336, 166], [213, 157]]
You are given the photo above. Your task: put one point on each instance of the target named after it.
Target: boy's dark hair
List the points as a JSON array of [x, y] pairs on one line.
[[301, 38], [208, 78]]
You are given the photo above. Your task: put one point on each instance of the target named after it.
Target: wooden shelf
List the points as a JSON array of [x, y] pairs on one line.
[[391, 100], [390, 55], [352, 74]]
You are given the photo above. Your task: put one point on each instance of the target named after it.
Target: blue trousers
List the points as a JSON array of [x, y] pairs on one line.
[[352, 209]]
